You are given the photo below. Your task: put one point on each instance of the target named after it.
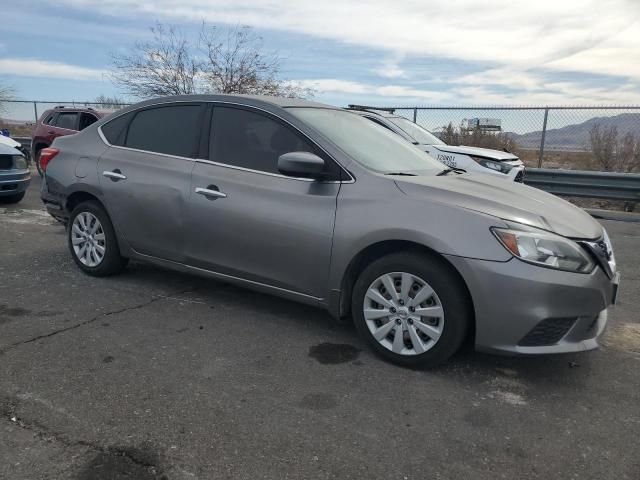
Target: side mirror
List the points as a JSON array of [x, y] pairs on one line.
[[301, 164]]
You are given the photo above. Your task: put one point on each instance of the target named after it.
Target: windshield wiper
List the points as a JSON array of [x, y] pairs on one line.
[[404, 174], [449, 170]]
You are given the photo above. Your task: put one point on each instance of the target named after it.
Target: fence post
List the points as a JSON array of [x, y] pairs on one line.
[[544, 134], [35, 110], [415, 114]]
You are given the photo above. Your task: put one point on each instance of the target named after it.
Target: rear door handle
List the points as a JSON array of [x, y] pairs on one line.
[[211, 192], [115, 175]]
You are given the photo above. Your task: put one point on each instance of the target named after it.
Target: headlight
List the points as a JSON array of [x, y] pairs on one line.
[[544, 248], [611, 258], [19, 162], [492, 165]]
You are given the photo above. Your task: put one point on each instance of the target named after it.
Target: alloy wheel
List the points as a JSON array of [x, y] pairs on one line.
[[88, 239], [403, 313]]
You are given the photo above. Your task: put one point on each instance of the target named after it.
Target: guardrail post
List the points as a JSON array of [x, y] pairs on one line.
[[415, 114], [544, 134]]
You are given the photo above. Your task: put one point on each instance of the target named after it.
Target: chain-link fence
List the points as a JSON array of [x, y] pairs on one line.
[[577, 138], [19, 116]]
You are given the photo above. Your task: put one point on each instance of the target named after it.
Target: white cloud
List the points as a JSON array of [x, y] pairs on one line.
[[388, 92], [618, 55], [512, 33], [27, 67], [391, 69], [334, 85]]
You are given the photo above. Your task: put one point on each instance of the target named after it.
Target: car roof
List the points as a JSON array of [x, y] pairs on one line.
[[255, 100], [102, 112]]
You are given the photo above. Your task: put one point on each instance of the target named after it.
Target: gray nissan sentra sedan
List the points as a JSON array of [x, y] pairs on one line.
[[322, 206]]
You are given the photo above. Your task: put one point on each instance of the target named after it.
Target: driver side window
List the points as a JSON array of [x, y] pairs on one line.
[[247, 139]]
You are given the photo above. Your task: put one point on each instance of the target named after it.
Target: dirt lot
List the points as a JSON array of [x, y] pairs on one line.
[[154, 374]]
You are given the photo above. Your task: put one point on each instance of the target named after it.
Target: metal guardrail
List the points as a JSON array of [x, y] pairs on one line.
[[576, 183], [24, 141], [579, 183]]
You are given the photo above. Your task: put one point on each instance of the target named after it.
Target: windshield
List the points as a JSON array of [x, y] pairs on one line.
[[415, 131], [367, 143]]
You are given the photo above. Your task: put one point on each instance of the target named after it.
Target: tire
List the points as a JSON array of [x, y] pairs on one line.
[[105, 259], [12, 198], [36, 160], [427, 340]]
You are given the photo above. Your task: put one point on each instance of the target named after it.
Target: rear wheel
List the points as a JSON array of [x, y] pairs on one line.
[[411, 308], [92, 241], [12, 198], [36, 160]]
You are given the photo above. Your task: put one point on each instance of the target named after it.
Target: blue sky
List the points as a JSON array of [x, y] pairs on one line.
[[383, 52]]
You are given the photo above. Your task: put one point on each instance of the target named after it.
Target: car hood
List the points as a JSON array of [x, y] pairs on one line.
[[480, 152], [510, 201], [8, 141], [8, 150]]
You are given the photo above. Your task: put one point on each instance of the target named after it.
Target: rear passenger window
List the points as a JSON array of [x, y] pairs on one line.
[[86, 119], [115, 130], [246, 139], [172, 130], [68, 120]]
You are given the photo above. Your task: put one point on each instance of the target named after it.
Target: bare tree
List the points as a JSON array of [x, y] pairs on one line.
[[221, 61], [628, 153], [604, 142], [450, 135], [236, 62], [6, 93], [477, 137], [163, 66], [110, 102]]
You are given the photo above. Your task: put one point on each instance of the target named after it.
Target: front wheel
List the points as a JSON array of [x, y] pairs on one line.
[[412, 309], [92, 241]]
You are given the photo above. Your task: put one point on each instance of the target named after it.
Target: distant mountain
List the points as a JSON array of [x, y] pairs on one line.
[[577, 136]]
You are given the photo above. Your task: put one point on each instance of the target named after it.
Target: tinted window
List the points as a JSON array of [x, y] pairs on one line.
[[47, 121], [251, 140], [172, 130], [86, 119], [376, 148], [115, 130], [68, 120]]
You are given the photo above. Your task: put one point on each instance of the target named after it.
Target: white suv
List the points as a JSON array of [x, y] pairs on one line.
[[471, 159]]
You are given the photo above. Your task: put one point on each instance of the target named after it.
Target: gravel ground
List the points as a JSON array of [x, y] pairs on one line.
[[155, 374]]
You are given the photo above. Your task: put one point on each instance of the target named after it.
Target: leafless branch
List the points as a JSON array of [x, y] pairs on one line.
[[163, 66], [221, 61]]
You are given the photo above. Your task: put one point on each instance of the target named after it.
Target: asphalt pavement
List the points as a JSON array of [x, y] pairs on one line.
[[160, 375]]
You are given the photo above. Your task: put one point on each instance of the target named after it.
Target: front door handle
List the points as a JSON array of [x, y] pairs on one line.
[[211, 192], [115, 175]]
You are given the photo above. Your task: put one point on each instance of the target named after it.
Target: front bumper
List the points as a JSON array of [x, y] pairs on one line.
[[522, 309], [13, 182]]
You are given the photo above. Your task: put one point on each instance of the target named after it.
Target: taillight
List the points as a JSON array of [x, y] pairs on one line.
[[46, 155]]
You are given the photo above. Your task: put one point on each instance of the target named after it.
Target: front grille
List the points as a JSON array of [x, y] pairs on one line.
[[519, 177], [6, 162], [9, 187], [548, 332]]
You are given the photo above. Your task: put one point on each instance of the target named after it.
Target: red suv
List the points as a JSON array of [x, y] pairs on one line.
[[61, 121]]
